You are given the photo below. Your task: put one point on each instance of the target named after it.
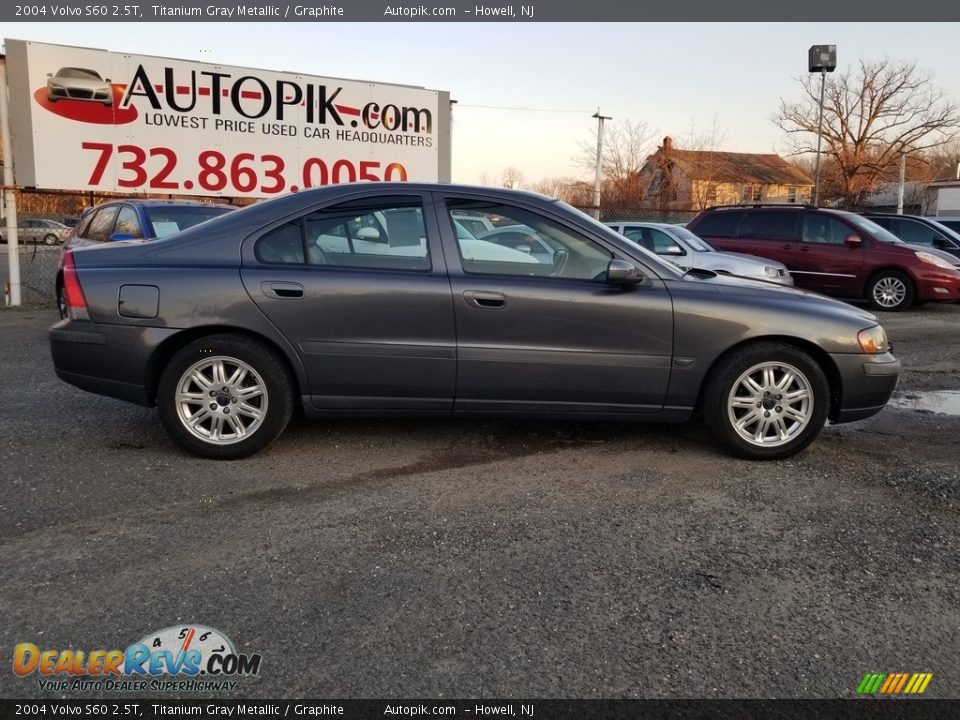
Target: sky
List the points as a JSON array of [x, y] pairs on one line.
[[526, 92]]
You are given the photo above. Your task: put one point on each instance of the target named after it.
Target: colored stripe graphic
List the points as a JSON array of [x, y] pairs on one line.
[[894, 683]]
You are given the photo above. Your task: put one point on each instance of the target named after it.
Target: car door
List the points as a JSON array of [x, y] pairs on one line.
[[771, 234], [360, 289], [826, 261], [554, 336]]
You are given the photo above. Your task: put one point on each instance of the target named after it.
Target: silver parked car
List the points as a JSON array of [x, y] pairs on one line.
[[688, 251], [48, 232]]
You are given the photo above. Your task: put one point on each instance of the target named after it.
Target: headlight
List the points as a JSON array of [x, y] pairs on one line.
[[771, 271], [873, 340], [933, 260]]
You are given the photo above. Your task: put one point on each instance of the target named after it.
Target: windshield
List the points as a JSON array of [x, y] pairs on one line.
[[694, 241], [665, 269], [871, 227], [167, 220]]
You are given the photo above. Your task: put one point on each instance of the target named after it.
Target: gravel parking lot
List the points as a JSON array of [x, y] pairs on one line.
[[490, 559]]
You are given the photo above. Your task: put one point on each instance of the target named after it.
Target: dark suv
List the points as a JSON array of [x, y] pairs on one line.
[[835, 252], [919, 231]]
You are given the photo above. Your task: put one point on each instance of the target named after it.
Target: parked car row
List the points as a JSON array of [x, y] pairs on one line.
[[837, 253], [377, 299]]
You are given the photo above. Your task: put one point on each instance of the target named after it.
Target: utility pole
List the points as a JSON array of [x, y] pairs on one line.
[[596, 180], [9, 195], [816, 177], [903, 177]]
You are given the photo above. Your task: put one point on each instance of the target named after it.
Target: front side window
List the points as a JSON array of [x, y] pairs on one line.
[[656, 241], [822, 229], [525, 243], [916, 233]]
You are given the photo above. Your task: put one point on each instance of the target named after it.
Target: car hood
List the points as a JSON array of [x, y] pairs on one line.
[[760, 290], [943, 255], [733, 258]]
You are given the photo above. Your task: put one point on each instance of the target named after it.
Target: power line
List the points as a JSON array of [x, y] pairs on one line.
[[523, 109]]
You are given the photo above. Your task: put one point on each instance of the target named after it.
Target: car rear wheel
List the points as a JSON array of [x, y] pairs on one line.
[[890, 290], [50, 240], [766, 401], [225, 397]]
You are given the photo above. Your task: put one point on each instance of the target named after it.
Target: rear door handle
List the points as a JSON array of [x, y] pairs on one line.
[[484, 300], [278, 289]]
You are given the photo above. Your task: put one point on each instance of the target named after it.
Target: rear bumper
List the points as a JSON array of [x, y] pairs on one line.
[[868, 382], [110, 360]]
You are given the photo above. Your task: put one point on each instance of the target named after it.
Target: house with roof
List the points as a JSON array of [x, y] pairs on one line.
[[695, 179]]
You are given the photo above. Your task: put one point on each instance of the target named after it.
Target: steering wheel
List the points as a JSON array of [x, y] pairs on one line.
[[560, 258]]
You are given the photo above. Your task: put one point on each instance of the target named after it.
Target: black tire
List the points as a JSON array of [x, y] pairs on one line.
[[49, 239], [266, 372], [724, 405], [891, 290]]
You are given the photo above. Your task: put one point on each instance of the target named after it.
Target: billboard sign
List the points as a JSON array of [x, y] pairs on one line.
[[85, 119]]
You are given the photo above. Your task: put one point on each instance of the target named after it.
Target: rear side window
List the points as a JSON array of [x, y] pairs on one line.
[[282, 245], [101, 225], [719, 224], [769, 225]]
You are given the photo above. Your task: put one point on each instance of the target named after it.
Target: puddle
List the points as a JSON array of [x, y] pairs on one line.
[[944, 402]]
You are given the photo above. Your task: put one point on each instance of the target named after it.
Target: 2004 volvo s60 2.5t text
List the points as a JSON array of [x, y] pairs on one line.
[[377, 299]]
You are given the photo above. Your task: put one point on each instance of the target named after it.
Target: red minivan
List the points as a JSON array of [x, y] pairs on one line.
[[835, 252]]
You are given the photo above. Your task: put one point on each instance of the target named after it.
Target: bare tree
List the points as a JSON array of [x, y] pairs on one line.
[[575, 192], [511, 177], [871, 115], [626, 145], [707, 165]]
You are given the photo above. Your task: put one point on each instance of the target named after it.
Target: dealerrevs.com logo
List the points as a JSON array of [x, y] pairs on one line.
[[178, 658]]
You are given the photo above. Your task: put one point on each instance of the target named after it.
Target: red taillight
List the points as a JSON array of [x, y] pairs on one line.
[[72, 292]]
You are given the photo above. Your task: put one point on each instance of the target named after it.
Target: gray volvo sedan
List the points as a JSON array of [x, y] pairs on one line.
[[367, 300]]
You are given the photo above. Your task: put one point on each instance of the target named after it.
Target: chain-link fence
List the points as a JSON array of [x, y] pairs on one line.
[[38, 272], [644, 215]]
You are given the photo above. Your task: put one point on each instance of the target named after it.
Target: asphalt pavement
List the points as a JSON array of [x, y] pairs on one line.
[[411, 558]]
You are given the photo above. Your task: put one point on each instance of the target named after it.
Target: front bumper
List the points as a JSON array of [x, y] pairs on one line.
[[867, 383], [938, 284]]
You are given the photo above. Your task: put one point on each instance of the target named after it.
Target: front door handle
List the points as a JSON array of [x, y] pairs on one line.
[[277, 289], [484, 300]]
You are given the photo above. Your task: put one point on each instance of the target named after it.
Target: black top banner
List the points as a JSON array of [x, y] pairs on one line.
[[472, 11]]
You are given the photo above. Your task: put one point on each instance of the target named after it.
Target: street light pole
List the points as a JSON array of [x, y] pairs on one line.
[[596, 180], [822, 59], [816, 179]]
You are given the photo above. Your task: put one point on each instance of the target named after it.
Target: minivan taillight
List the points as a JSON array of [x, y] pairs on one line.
[[72, 292]]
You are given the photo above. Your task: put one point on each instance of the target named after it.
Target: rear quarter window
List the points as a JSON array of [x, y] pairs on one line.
[[718, 224]]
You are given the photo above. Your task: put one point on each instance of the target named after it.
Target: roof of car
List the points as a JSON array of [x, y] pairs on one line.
[[146, 202]]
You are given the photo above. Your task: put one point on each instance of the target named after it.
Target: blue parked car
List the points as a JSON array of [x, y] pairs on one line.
[[135, 220]]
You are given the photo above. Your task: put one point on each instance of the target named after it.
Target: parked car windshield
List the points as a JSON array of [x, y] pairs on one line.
[[167, 220], [694, 241], [881, 234]]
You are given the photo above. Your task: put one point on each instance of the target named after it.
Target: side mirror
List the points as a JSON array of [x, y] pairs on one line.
[[106, 79], [938, 242], [673, 250], [120, 237], [853, 240], [622, 272]]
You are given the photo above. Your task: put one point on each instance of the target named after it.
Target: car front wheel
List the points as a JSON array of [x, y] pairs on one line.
[[225, 397], [766, 401], [50, 240], [890, 290]]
